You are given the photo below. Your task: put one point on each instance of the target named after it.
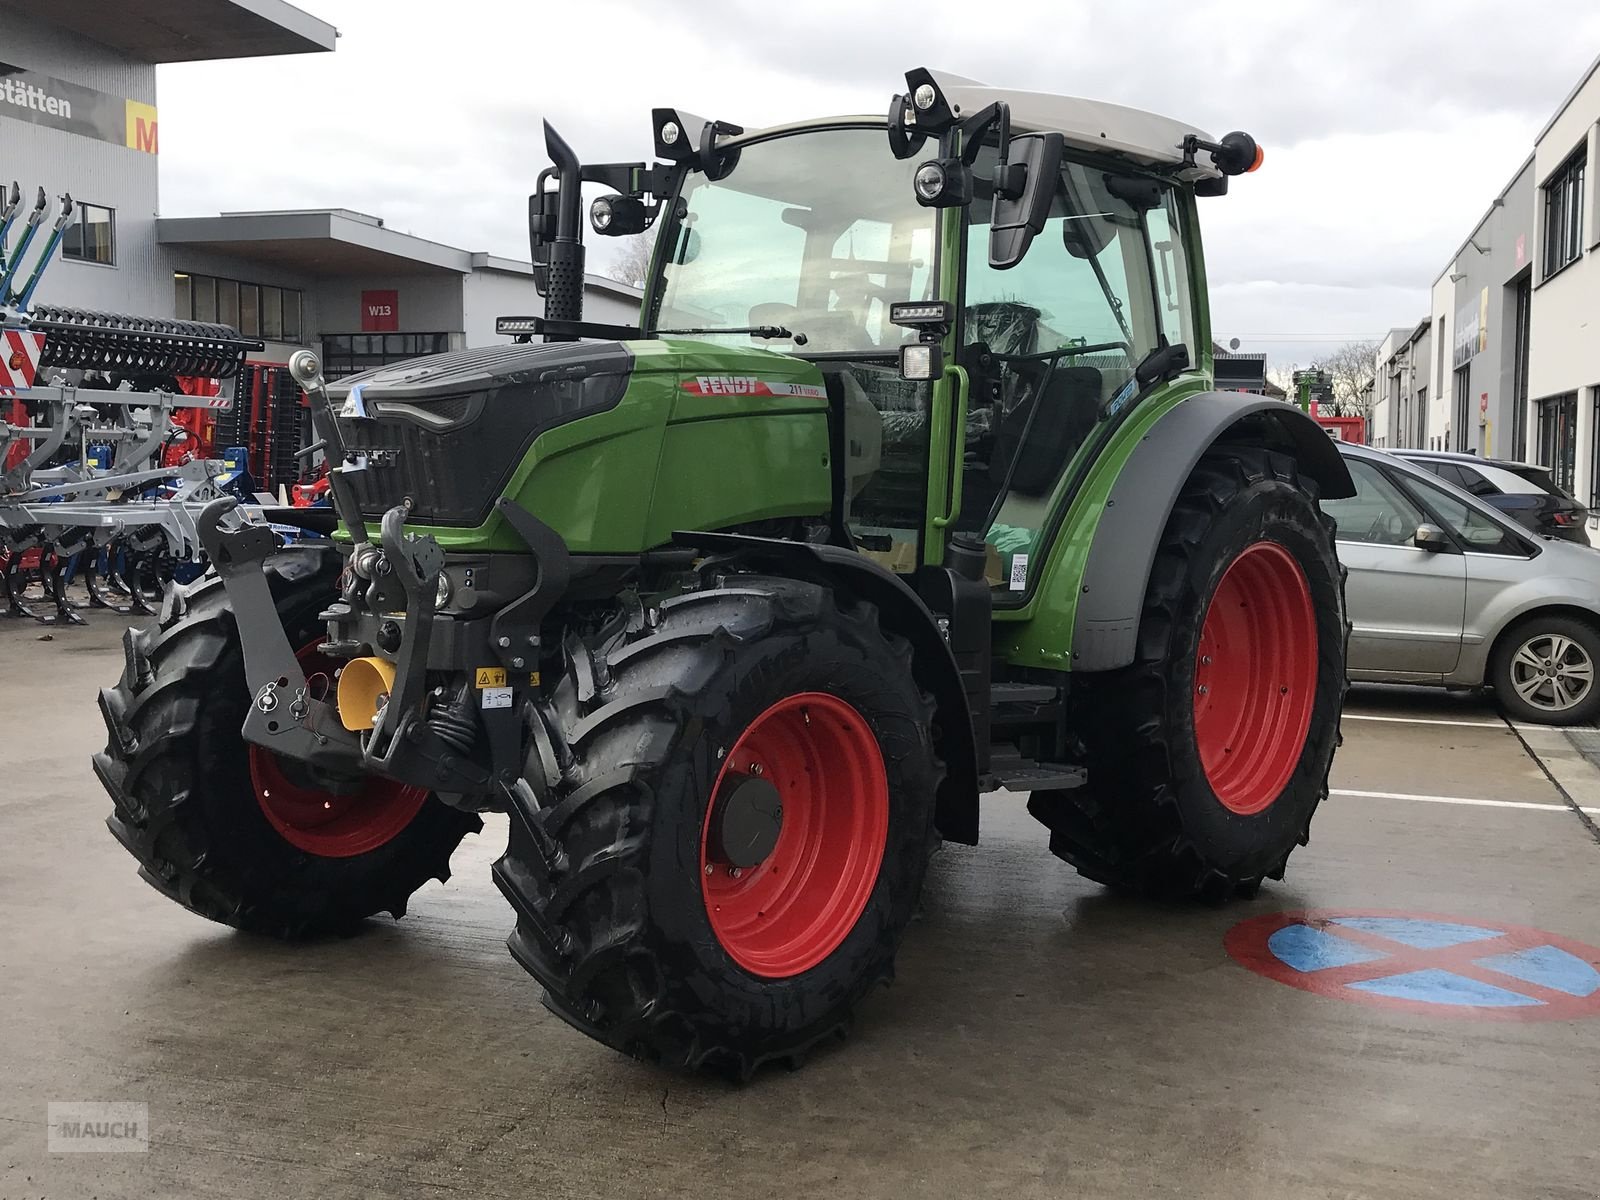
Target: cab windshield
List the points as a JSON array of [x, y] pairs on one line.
[[817, 231]]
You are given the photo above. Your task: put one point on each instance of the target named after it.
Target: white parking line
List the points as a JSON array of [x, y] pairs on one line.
[[1467, 800], [1350, 716]]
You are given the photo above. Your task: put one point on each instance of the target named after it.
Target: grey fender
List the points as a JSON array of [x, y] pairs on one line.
[[901, 610], [1117, 570]]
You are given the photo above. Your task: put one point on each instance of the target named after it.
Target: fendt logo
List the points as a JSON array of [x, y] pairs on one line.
[[749, 385]]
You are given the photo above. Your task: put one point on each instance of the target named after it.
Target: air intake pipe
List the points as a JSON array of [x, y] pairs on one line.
[[564, 298]]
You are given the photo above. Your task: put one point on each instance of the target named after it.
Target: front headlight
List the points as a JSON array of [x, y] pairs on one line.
[[441, 598]]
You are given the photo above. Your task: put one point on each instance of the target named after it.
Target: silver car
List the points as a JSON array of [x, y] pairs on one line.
[[1443, 589]]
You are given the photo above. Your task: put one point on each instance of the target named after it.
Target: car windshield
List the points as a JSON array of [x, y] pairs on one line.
[[817, 231]]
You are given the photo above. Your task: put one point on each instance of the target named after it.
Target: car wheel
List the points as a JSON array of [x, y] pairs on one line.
[[1543, 670]]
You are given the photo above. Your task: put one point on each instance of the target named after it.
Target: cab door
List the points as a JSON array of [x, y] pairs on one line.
[[1407, 605]]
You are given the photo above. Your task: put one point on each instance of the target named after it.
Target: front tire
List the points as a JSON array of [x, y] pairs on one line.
[[1207, 757], [739, 829], [229, 830]]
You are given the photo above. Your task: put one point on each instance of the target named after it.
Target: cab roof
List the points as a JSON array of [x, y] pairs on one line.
[[1091, 125]]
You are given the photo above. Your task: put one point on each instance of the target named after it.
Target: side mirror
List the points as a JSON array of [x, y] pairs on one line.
[[1020, 212], [1431, 538]]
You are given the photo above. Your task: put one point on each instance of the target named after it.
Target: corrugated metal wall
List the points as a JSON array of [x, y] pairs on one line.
[[94, 172]]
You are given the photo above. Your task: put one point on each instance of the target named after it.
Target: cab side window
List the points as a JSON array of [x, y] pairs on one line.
[[1052, 342]]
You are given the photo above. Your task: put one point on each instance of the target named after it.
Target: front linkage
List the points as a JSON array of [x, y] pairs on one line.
[[386, 719]]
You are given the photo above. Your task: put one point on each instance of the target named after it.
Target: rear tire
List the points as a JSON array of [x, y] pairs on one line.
[[1187, 796], [626, 917], [1571, 647], [185, 790]]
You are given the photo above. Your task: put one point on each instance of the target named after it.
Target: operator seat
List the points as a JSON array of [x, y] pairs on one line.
[[1062, 416]]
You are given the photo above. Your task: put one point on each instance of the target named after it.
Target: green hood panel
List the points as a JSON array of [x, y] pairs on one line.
[[703, 437]]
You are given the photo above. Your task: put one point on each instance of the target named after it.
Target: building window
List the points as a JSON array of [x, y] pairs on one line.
[[351, 353], [91, 236], [1594, 449], [1519, 390], [1558, 438], [272, 313], [1463, 413], [1563, 213]]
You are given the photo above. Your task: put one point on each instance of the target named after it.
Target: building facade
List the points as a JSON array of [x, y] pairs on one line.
[[1402, 387], [1507, 361], [1481, 323], [79, 115]]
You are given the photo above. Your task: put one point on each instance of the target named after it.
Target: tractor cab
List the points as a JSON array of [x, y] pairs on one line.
[[1053, 236]]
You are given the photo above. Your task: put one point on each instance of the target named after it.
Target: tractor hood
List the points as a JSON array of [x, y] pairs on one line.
[[445, 434]]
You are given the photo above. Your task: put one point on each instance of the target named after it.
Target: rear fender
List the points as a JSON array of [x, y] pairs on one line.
[[902, 611], [1122, 552]]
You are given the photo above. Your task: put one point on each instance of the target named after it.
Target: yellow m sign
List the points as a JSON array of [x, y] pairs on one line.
[[141, 127]]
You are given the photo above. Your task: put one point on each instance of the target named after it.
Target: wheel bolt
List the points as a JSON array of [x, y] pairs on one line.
[[734, 872], [1204, 689], [1205, 660], [755, 768], [709, 869]]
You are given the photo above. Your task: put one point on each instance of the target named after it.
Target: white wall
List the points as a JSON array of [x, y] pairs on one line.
[[1566, 308], [1565, 322]]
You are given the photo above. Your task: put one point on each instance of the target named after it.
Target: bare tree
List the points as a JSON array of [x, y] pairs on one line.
[[1282, 377], [630, 262], [1353, 367]]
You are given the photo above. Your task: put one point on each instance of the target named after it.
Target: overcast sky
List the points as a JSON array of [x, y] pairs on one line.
[[1389, 126]]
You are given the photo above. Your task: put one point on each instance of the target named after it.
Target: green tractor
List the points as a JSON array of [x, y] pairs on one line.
[[910, 486]]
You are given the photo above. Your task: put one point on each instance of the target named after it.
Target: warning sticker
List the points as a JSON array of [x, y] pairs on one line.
[[533, 679], [490, 677], [497, 697]]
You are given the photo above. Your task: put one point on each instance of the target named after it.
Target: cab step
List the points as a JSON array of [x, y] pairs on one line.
[[1010, 770]]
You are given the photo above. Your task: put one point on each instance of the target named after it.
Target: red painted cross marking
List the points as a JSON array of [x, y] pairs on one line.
[[1308, 962]]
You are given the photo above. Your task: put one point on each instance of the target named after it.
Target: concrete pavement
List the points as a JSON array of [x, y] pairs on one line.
[[1044, 1037]]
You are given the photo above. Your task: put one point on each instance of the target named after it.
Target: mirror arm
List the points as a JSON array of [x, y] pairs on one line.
[[976, 127]]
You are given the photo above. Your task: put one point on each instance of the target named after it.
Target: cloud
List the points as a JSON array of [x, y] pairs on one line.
[[1388, 127]]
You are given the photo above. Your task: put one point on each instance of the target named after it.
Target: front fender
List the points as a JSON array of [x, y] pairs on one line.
[[1123, 548]]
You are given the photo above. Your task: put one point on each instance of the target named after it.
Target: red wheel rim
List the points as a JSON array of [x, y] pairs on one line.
[[1255, 678], [792, 909], [313, 818]]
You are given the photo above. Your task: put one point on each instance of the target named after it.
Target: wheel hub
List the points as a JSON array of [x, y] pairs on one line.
[[747, 820]]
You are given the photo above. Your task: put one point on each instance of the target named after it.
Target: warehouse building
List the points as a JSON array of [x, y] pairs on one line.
[[79, 115], [1511, 367]]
